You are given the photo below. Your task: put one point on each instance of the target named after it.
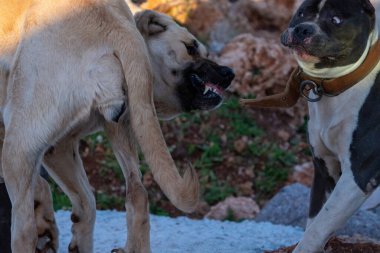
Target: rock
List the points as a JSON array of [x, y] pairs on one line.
[[290, 207], [218, 21], [258, 72], [199, 16], [241, 144], [373, 201], [285, 136], [238, 207], [363, 223], [256, 65], [376, 211]]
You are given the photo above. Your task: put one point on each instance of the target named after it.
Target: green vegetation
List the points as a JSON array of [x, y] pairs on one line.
[[60, 200], [208, 140]]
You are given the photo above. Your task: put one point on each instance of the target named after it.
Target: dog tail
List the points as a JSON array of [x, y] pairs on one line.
[[183, 192]]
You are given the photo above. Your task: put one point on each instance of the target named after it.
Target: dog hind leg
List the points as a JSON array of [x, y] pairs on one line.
[[43, 211], [65, 166]]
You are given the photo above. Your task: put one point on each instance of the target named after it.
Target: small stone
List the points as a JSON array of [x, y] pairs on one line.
[[283, 135], [240, 207], [240, 145]]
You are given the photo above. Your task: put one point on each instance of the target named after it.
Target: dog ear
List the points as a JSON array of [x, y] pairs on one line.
[[368, 7], [150, 23]]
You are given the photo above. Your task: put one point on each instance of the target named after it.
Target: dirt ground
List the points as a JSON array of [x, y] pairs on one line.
[[339, 245]]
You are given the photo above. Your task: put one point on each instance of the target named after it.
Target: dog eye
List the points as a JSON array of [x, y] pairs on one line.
[[300, 14], [192, 47], [336, 20], [191, 50]]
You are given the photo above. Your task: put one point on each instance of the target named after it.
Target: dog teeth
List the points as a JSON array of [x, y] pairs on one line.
[[207, 89]]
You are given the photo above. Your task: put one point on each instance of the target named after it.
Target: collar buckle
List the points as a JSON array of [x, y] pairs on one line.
[[317, 89]]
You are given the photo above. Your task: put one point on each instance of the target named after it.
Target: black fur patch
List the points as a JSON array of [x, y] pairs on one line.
[[365, 146], [323, 183], [5, 220]]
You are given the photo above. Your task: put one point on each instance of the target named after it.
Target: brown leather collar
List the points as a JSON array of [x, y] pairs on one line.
[[300, 84]]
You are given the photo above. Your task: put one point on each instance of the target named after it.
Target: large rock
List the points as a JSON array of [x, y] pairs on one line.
[[221, 20], [262, 67], [290, 207], [235, 208]]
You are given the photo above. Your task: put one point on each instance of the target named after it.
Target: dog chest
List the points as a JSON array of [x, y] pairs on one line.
[[333, 120]]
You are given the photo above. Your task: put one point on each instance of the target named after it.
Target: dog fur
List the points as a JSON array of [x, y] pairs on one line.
[[71, 67]]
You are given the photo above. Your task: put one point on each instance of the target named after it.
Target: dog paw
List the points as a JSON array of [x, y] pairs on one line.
[[118, 251], [73, 248], [45, 244]]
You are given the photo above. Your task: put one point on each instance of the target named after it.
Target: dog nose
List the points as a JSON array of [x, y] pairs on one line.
[[303, 31], [227, 73]]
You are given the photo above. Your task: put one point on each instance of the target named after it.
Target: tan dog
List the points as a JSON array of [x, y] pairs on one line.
[[71, 67]]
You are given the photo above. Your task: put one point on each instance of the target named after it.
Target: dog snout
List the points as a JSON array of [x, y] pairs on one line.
[[303, 31], [286, 38]]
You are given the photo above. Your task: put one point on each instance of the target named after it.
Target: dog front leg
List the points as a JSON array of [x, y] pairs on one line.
[[346, 198], [138, 238]]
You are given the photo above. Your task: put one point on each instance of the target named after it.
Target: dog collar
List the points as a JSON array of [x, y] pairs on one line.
[[302, 85]]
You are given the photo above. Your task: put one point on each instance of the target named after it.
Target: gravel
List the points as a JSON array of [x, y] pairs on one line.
[[183, 235]]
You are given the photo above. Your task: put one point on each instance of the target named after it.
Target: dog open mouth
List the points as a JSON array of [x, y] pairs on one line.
[[303, 55], [207, 88], [204, 84]]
